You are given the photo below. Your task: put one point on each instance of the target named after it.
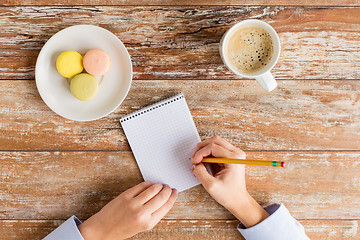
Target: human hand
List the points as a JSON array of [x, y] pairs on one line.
[[227, 186], [137, 209]]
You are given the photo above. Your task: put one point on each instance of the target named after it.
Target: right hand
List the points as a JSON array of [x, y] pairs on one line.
[[227, 186], [137, 209]]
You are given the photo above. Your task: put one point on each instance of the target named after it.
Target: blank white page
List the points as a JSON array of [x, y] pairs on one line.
[[162, 137]]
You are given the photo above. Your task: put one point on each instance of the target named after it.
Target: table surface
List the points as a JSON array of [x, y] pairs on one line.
[[52, 168]]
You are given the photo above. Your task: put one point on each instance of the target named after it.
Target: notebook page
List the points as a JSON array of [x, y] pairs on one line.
[[162, 137]]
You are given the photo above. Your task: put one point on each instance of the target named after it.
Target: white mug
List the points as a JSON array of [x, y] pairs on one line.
[[263, 76]]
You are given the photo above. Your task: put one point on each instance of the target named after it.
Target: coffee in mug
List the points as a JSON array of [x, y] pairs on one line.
[[251, 48]]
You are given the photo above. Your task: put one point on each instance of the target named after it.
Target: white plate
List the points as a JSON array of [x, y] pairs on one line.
[[54, 89]]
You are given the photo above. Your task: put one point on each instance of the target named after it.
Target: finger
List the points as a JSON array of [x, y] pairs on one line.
[[164, 209], [136, 190], [149, 193], [211, 149], [202, 174], [217, 140], [160, 199], [240, 153]]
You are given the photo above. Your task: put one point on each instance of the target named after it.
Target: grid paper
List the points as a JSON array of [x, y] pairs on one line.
[[162, 137]]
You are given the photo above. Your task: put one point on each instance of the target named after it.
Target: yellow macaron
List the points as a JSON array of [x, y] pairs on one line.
[[84, 86], [69, 63]]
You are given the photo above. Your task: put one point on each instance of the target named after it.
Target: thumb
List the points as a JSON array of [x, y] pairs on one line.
[[203, 175]]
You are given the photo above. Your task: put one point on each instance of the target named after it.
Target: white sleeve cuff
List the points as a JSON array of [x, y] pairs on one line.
[[279, 225], [67, 230]]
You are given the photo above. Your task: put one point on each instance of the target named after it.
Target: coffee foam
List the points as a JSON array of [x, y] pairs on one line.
[[250, 49]]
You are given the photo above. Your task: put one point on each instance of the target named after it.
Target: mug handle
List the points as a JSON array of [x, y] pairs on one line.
[[267, 81]]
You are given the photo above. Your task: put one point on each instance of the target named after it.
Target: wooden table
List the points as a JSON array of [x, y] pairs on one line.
[[52, 168]]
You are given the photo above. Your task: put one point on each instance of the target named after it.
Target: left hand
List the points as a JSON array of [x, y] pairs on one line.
[[137, 209]]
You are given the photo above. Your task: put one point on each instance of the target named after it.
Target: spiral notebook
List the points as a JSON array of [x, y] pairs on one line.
[[162, 137]]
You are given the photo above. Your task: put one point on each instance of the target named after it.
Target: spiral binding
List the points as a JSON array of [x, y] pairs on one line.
[[152, 107]]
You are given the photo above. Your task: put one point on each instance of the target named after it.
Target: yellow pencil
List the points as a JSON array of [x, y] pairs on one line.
[[244, 161]]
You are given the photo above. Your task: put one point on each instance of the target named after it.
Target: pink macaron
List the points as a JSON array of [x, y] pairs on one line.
[[96, 62]]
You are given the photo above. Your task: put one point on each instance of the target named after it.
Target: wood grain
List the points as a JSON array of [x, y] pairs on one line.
[[56, 185], [52, 168], [299, 115], [182, 42], [188, 229], [184, 2]]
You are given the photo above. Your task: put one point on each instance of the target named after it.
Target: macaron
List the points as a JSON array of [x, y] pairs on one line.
[[96, 62], [69, 63], [84, 86]]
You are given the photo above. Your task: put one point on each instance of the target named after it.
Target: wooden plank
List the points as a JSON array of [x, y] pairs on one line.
[[187, 229], [299, 115], [181, 42], [56, 185], [184, 2]]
